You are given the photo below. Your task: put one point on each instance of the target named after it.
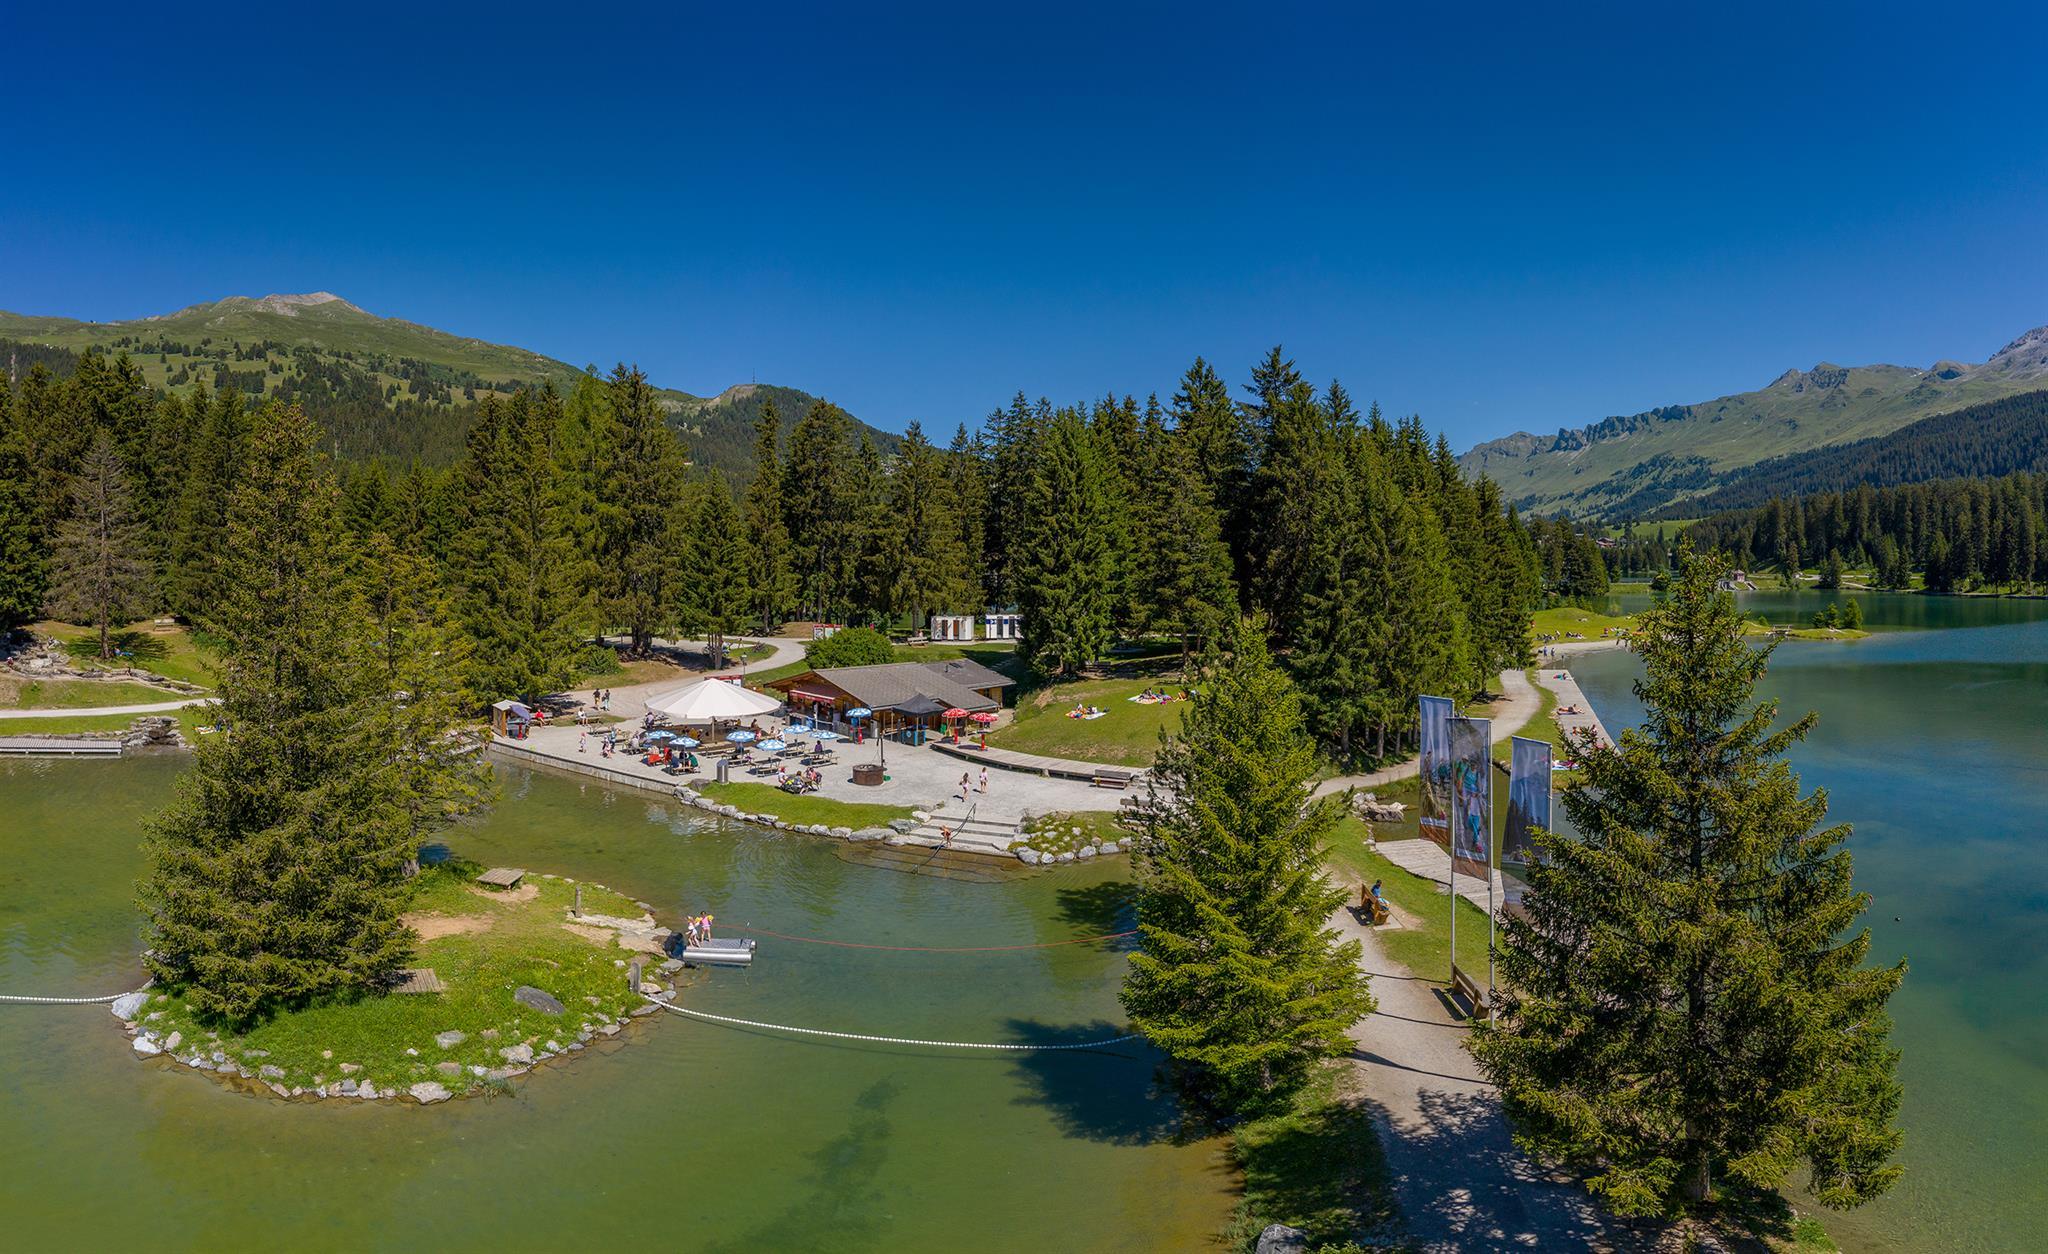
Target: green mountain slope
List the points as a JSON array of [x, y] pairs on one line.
[[339, 358], [1642, 463]]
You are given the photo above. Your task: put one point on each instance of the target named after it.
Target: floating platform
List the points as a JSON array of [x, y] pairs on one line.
[[732, 951], [58, 747]]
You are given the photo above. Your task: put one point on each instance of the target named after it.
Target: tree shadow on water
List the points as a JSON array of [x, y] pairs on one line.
[[1091, 1093], [845, 1209], [1095, 909]]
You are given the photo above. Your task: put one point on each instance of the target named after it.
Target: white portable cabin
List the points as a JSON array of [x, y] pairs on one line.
[[997, 626], [952, 627]]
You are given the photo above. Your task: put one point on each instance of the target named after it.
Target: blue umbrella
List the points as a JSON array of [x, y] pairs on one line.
[[660, 735], [739, 737], [773, 745], [824, 733], [859, 712], [688, 742]]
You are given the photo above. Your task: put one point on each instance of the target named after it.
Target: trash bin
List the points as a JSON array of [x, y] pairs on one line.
[[724, 770]]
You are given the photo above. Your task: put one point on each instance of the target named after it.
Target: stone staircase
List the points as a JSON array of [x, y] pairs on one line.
[[970, 830]]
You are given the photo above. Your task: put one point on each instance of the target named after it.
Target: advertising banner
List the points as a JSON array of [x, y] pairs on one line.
[[1528, 798], [1472, 796], [1435, 740]]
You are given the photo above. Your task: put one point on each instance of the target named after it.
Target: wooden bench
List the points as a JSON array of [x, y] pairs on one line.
[[1468, 988], [1371, 908], [501, 877], [1118, 780]]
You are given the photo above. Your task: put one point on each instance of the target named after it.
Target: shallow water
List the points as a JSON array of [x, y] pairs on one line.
[[686, 1135], [1934, 744]]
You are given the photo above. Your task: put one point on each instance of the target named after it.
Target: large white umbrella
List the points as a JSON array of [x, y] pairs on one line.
[[710, 700]]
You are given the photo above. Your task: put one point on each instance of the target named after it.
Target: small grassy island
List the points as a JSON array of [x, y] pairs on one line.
[[484, 946]]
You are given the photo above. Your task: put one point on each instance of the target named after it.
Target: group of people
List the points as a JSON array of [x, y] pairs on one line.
[[698, 930], [806, 780], [1162, 696], [967, 781], [1085, 711], [601, 699]]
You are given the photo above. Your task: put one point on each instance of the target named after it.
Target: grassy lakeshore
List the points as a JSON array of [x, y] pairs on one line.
[[790, 807], [168, 650], [483, 944], [1127, 734]]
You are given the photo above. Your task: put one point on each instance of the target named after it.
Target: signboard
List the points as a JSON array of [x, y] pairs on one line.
[[1471, 796], [1435, 740], [1528, 798]]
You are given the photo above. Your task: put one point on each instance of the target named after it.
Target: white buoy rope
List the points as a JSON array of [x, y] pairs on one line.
[[885, 1040], [20, 1000]]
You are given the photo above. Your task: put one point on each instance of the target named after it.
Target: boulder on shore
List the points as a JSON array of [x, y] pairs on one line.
[[129, 1005], [1281, 1239], [528, 995]]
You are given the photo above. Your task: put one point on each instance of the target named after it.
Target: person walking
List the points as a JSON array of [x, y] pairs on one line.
[[582, 738], [965, 785], [984, 779]]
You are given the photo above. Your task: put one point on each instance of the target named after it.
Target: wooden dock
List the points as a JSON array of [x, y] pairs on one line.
[[1101, 773], [57, 747]]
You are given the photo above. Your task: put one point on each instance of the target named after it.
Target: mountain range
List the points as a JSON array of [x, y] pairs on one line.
[[1658, 461], [330, 353]]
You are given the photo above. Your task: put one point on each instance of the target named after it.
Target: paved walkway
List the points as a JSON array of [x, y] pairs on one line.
[[1511, 711], [1431, 861], [1458, 1178], [1035, 764], [93, 711], [1574, 713]]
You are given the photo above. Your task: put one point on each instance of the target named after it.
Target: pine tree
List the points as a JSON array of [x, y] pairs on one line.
[[98, 575], [969, 484], [768, 570], [518, 591], [221, 422], [871, 562], [932, 571], [276, 871], [1345, 617], [24, 565], [418, 662], [1183, 562], [716, 599], [1426, 646], [1686, 1005], [818, 508], [641, 495], [1238, 976], [1065, 577], [587, 452]]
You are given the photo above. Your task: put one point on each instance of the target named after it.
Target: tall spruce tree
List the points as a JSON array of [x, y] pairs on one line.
[[932, 569], [642, 498], [1183, 563], [418, 663], [220, 422], [1065, 567], [715, 598], [768, 572], [99, 577], [519, 594], [1238, 975], [276, 871], [24, 563], [819, 508], [1687, 1003], [1346, 626]]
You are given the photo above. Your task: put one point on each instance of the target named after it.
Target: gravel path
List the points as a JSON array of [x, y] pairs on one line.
[[1460, 1182], [161, 707]]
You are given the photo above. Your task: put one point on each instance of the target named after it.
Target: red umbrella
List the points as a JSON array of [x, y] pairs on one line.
[[955, 712], [983, 718]]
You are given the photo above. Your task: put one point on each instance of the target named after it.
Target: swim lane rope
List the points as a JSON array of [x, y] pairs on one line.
[[931, 949], [884, 1040]]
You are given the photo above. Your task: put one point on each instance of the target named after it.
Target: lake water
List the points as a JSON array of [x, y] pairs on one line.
[[684, 1136], [1933, 742]]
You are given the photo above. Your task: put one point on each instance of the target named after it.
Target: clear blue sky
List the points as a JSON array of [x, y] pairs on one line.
[[1499, 219]]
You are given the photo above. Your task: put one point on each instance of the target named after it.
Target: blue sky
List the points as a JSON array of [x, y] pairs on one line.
[[1500, 219]]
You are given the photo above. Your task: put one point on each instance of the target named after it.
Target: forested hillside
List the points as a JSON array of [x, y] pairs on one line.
[[1960, 534], [1981, 441], [379, 387], [1662, 459], [1378, 571]]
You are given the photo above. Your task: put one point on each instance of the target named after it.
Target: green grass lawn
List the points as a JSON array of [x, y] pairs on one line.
[[768, 799], [190, 719], [1565, 622], [1424, 944], [1127, 734], [512, 941], [78, 694], [170, 651]]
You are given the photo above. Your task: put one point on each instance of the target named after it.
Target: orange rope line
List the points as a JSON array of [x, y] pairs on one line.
[[932, 949]]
